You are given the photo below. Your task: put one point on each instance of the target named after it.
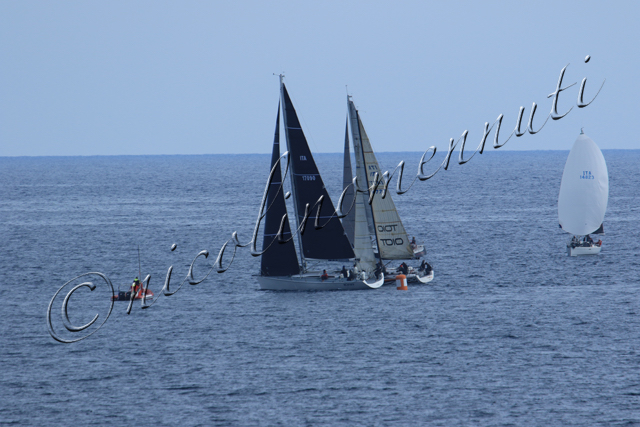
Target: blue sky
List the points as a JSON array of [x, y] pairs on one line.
[[196, 77]]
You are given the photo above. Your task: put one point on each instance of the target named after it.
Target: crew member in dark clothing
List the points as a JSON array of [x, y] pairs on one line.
[[344, 272], [377, 271], [324, 276], [404, 268], [428, 268]]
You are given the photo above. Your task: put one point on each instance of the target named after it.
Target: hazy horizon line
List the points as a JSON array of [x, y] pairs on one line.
[[320, 153]]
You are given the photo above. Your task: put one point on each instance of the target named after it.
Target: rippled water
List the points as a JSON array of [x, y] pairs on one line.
[[511, 331]]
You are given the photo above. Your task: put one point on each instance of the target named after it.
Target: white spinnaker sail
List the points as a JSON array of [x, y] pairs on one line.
[[584, 190], [393, 242]]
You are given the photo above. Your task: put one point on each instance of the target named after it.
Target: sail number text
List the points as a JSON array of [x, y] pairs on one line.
[[587, 175]]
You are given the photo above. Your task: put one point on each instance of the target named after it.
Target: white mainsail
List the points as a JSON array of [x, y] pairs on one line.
[[392, 239], [362, 242], [362, 235], [584, 190]]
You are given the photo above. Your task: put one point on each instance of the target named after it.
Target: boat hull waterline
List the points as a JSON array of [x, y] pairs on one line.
[[306, 283], [411, 277], [583, 250]]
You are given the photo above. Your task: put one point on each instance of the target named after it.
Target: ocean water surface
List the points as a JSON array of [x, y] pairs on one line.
[[511, 331]]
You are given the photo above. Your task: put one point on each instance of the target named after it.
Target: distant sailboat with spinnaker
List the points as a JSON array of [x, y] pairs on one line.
[[584, 193]]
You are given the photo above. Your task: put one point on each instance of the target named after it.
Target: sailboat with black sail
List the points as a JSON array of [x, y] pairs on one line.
[[385, 231], [280, 268]]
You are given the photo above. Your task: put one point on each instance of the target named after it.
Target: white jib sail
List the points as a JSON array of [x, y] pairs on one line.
[[584, 190], [393, 242]]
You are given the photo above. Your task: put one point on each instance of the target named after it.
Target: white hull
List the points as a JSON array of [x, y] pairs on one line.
[[583, 250], [412, 277], [419, 251], [307, 283], [425, 279]]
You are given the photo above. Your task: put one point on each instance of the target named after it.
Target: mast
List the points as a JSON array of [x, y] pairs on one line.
[[303, 261], [139, 267]]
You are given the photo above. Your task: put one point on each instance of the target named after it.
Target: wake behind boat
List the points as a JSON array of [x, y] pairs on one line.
[[584, 192]]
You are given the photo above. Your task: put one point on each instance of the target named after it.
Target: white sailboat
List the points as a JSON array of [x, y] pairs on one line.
[[380, 225], [584, 192], [280, 267]]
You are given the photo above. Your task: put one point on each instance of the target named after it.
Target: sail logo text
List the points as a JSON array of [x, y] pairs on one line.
[[378, 181], [393, 242]]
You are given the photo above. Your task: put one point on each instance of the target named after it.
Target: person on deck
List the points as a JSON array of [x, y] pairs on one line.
[[413, 243], [344, 272], [428, 269], [135, 286], [324, 276], [404, 268], [378, 271]]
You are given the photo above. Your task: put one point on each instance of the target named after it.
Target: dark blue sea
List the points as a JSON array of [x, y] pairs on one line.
[[512, 331]]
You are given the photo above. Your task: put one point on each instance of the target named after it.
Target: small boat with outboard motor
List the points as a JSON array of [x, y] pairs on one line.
[[136, 288], [138, 292]]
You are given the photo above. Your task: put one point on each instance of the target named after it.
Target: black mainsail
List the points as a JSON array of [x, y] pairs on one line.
[[280, 258], [329, 241]]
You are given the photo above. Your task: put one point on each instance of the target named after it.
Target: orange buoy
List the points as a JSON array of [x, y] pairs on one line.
[[401, 282]]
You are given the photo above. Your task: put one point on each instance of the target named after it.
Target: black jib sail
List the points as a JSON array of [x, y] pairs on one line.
[[330, 241], [280, 259]]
